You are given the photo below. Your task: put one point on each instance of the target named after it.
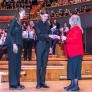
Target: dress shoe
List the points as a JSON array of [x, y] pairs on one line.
[[38, 86], [44, 86], [22, 86], [16, 88], [68, 87], [76, 88]]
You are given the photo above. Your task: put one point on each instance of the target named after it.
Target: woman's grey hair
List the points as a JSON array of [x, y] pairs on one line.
[[75, 20]]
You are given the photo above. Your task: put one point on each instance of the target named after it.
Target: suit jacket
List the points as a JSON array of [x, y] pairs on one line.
[[43, 31], [14, 34]]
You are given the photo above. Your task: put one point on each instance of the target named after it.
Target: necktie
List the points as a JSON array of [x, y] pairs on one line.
[[28, 36]]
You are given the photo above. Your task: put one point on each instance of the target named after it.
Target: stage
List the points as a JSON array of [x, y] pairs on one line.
[[55, 86]]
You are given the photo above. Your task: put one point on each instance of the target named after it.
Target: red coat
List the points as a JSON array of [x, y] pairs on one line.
[[74, 44]]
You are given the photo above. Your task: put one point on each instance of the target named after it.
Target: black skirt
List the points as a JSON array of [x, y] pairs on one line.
[[74, 68]]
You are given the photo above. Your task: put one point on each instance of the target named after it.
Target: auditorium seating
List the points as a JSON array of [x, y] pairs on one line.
[[34, 12], [56, 3], [59, 11], [78, 8], [9, 12], [3, 24]]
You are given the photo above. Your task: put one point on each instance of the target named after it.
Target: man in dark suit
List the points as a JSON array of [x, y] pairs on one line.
[[14, 46], [42, 48]]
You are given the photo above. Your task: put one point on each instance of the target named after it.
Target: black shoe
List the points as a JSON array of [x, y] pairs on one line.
[[44, 86], [22, 86], [38, 86], [68, 87], [76, 88], [17, 87]]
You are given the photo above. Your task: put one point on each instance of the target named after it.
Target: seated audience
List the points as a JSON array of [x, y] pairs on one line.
[[3, 48], [55, 31], [28, 41]]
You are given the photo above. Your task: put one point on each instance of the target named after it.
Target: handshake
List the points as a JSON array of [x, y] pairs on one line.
[[63, 38], [54, 36]]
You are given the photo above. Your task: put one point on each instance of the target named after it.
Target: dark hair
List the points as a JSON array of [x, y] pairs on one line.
[[43, 11], [17, 16]]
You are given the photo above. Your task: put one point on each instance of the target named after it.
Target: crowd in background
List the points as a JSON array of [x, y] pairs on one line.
[[67, 12], [55, 29], [29, 37], [63, 2], [12, 4], [3, 35]]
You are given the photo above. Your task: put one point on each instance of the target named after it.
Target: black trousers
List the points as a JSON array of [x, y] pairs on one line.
[[74, 68], [14, 66], [28, 44], [42, 51], [54, 43]]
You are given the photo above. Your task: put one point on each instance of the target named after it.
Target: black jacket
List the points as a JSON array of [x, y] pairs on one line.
[[14, 33], [43, 31]]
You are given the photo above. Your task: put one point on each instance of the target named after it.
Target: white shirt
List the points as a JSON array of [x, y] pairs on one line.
[[25, 34]]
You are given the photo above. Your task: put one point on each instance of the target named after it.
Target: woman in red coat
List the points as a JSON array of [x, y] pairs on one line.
[[73, 49]]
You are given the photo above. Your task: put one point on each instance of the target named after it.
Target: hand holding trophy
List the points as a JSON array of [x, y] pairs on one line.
[[54, 36], [63, 38], [57, 37]]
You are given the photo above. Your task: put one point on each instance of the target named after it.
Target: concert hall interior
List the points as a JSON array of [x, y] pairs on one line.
[[26, 36]]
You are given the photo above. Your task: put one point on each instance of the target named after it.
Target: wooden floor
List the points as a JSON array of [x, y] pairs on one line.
[[55, 86]]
